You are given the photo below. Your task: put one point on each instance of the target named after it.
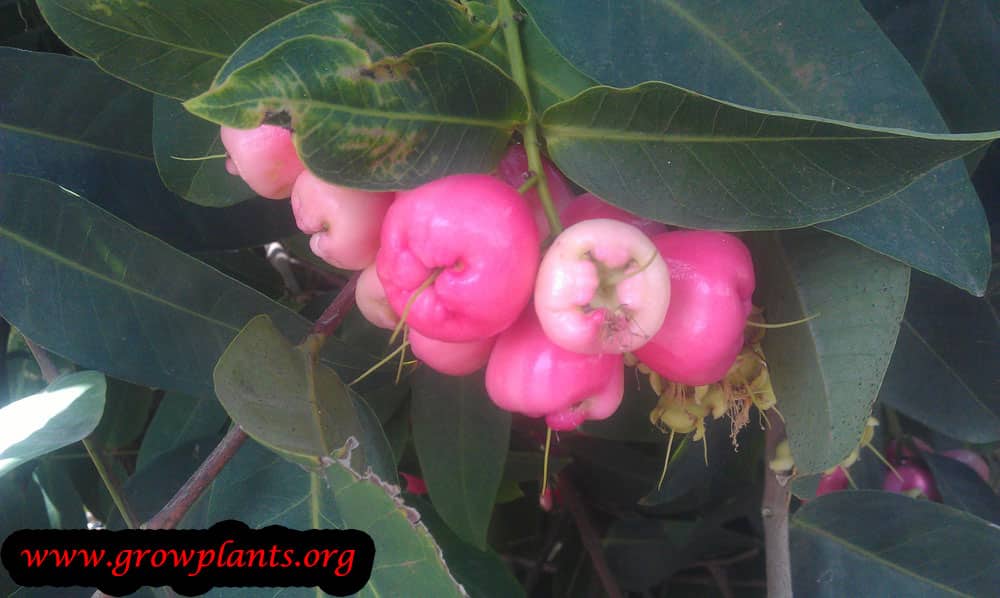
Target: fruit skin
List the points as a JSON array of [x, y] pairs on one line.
[[345, 224], [527, 373], [265, 157], [911, 478], [974, 460], [589, 207], [834, 481], [514, 171], [479, 233], [372, 302], [414, 484], [453, 359], [602, 288], [711, 284]]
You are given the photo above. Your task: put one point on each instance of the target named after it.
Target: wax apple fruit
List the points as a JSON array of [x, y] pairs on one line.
[[372, 302], [514, 170], [913, 480], [453, 359], [973, 460], [589, 207], [345, 224], [711, 284], [602, 288], [833, 481], [265, 157], [477, 236], [527, 373]]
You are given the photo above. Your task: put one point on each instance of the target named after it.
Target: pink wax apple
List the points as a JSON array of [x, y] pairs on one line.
[[527, 373], [453, 359], [834, 481], [265, 157], [372, 302], [345, 224], [589, 207], [973, 460], [602, 288], [711, 284], [912, 479], [514, 170], [475, 239]]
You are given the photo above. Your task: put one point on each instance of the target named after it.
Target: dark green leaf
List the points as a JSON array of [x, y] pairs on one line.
[[944, 371], [90, 287], [170, 47], [150, 488], [408, 562], [395, 123], [91, 134], [249, 266], [827, 372], [461, 438], [870, 543], [68, 410], [180, 419], [126, 412], [961, 487], [630, 423], [63, 502], [23, 508], [676, 156]]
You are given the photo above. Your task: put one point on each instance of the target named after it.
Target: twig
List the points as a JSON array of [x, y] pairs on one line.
[[774, 512], [588, 536], [334, 314]]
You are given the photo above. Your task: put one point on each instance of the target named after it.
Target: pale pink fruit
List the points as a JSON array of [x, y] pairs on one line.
[[527, 373], [602, 288], [477, 235], [834, 481], [711, 284], [265, 157], [345, 224], [589, 207], [454, 359], [514, 170], [974, 460], [912, 479], [372, 302]]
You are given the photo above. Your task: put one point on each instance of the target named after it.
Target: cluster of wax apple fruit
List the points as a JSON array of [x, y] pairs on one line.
[[460, 261]]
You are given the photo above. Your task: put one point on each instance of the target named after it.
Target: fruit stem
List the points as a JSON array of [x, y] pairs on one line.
[[528, 184], [411, 300], [518, 71], [666, 461], [545, 461], [200, 158], [380, 363], [782, 324], [402, 355]]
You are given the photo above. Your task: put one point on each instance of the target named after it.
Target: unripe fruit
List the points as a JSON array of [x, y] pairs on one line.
[[478, 237], [453, 359], [345, 224], [602, 288], [589, 207], [711, 284], [372, 302], [834, 481], [515, 171], [912, 480], [527, 373], [265, 157], [973, 460]]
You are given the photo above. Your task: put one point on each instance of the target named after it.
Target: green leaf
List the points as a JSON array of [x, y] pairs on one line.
[[149, 488], [461, 439], [126, 411], [943, 373], [408, 562], [90, 287], [717, 165], [284, 399], [91, 134], [179, 419], [826, 372], [395, 123], [868, 543], [62, 501], [65, 412], [828, 60], [630, 423], [23, 508], [169, 47], [961, 487]]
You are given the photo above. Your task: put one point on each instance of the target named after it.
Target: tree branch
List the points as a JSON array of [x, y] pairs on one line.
[[588, 535], [334, 314], [774, 512]]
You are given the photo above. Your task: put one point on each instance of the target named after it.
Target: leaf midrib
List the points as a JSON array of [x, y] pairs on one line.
[[70, 140], [576, 132]]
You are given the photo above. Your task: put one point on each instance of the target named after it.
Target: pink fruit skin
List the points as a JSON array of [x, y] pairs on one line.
[[482, 236], [453, 359], [913, 477], [345, 224], [529, 374], [265, 157], [834, 481], [514, 171], [572, 307], [711, 284], [588, 207], [973, 460], [372, 302], [414, 484]]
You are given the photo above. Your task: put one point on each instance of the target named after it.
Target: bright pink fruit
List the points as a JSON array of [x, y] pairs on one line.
[[454, 359], [372, 302], [911, 478], [602, 288], [514, 170], [527, 373], [973, 460], [588, 207], [414, 484], [479, 235], [834, 481], [264, 157], [344, 223], [900, 451], [711, 284]]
